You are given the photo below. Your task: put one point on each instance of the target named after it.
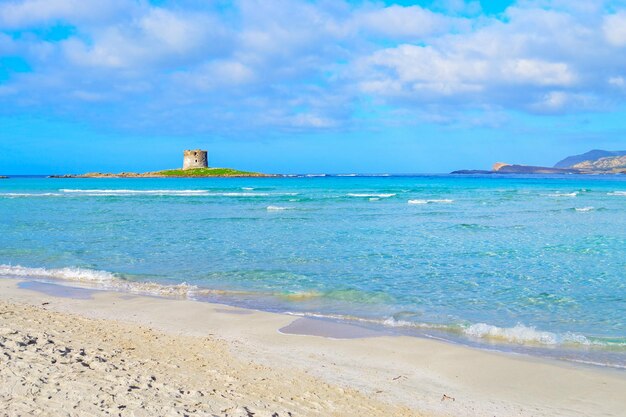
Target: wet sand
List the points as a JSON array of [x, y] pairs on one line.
[[111, 353]]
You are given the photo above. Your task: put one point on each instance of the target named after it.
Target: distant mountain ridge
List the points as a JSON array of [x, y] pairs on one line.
[[592, 155], [596, 161]]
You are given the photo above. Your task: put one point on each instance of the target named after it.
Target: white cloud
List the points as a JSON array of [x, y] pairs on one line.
[[16, 14], [412, 22], [158, 37], [527, 62], [302, 65], [215, 75], [617, 82], [538, 72], [615, 29]]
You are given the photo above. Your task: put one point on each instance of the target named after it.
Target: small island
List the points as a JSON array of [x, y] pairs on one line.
[[195, 165]]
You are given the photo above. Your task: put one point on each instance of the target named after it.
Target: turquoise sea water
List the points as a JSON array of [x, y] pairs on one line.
[[535, 264]]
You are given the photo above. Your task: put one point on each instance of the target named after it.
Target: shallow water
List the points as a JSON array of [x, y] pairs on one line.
[[533, 262]]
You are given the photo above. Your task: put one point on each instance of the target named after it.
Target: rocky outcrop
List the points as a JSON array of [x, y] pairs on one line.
[[611, 164]]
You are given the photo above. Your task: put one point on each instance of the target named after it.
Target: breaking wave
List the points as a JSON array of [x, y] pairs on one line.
[[367, 195], [166, 192], [620, 193], [432, 201], [105, 280], [521, 334], [14, 195], [516, 335]]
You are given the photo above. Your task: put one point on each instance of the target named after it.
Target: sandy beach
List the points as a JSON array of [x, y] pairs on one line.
[[81, 352]]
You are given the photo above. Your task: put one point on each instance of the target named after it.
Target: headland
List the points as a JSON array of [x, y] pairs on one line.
[[590, 163]]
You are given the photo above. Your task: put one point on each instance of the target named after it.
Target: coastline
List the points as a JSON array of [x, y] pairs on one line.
[[391, 375]]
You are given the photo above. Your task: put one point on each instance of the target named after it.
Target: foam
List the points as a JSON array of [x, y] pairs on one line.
[[277, 208], [432, 201], [13, 195], [620, 193], [559, 194], [131, 192], [583, 209], [99, 279], [371, 195], [166, 192], [521, 334], [518, 334], [246, 194]]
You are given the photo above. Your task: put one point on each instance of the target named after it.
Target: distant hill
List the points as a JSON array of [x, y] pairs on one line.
[[593, 155], [529, 169], [593, 162]]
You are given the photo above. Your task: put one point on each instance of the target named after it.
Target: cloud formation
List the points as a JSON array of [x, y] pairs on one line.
[[291, 65]]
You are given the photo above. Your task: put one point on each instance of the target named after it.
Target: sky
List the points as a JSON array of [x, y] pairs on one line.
[[308, 86]]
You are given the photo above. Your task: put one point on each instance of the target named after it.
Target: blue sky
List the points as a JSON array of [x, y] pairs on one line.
[[308, 86]]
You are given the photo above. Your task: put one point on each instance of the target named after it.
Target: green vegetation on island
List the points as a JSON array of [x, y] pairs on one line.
[[209, 172], [171, 173]]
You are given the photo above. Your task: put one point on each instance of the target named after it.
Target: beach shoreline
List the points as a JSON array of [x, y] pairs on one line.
[[388, 375]]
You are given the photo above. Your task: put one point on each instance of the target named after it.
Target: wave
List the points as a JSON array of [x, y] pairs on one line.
[[70, 274], [371, 195], [519, 334], [620, 193], [444, 201], [559, 194], [105, 280], [167, 192], [131, 192], [583, 209], [516, 335], [13, 195], [277, 208]]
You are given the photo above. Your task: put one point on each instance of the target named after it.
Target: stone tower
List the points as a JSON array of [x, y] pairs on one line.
[[195, 159]]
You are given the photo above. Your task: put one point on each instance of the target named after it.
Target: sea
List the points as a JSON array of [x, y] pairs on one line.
[[530, 265]]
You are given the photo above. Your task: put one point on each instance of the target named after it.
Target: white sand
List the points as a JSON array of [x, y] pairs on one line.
[[231, 361]]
